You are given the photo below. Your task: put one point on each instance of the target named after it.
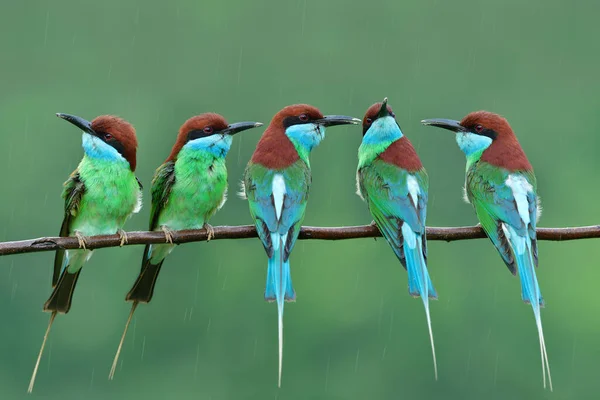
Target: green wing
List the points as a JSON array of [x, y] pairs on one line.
[[385, 189], [495, 205], [73, 191], [162, 183], [259, 192]]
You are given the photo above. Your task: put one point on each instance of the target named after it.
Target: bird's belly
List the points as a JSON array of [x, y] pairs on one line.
[[193, 200], [105, 206]]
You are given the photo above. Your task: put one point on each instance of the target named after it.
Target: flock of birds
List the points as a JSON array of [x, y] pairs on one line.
[[191, 185]]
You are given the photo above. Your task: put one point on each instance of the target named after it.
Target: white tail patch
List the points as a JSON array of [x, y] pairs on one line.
[[358, 192], [279, 191], [413, 189], [520, 188], [242, 192], [138, 202]]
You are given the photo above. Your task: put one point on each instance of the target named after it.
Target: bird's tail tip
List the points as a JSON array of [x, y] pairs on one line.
[[543, 352], [113, 368]]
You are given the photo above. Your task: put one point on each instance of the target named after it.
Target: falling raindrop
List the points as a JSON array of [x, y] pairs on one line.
[[143, 347]]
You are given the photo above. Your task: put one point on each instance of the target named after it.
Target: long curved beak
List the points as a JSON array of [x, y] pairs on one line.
[[383, 111], [79, 122], [449, 124], [238, 127], [332, 120]]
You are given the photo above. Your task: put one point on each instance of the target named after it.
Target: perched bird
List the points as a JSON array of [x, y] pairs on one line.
[[99, 197], [187, 189], [392, 181], [276, 184], [501, 186]]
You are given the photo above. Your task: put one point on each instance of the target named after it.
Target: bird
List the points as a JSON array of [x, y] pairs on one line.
[[100, 195], [187, 190], [501, 186], [276, 184], [391, 179]]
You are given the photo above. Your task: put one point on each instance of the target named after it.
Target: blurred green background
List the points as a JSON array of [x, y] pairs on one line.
[[354, 332]]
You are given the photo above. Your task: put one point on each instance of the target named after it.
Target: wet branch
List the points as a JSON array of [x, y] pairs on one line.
[[248, 231]]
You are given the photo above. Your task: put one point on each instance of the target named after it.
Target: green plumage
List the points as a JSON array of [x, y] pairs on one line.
[[99, 197], [385, 189], [494, 204], [187, 193]]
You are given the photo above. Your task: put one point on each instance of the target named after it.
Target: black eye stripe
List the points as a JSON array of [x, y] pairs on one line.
[[289, 121], [199, 133], [485, 132]]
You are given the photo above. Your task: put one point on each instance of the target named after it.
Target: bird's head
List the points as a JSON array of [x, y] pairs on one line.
[[305, 125], [208, 131], [107, 137], [477, 131], [379, 123]]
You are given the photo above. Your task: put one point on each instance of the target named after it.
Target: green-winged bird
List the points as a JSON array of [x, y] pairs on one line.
[[187, 190], [99, 197], [394, 184], [276, 184], [501, 186]]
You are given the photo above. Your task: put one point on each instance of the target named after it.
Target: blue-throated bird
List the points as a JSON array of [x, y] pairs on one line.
[[187, 189], [394, 184], [99, 197], [501, 186], [276, 184]]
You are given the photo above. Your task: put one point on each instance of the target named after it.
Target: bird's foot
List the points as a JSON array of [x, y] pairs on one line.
[[373, 223], [123, 236], [210, 231], [168, 234], [81, 239]]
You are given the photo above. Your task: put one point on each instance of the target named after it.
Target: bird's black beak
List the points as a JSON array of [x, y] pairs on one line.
[[449, 124], [383, 111], [232, 129], [332, 120], [81, 123]]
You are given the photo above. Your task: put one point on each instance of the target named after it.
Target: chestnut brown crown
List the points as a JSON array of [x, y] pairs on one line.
[[373, 113], [118, 133], [198, 126]]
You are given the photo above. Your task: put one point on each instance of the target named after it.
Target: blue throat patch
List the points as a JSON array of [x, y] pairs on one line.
[[307, 136], [97, 149], [217, 144], [383, 130], [471, 143]]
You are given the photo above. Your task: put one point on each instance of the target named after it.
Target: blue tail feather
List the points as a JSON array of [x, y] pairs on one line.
[[419, 283], [530, 289], [530, 292], [279, 287]]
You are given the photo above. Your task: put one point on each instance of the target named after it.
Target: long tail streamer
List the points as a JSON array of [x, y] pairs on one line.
[[113, 369], [37, 363]]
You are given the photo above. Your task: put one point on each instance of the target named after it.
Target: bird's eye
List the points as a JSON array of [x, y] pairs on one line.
[[303, 117], [208, 129], [478, 128], [369, 121], [107, 136]]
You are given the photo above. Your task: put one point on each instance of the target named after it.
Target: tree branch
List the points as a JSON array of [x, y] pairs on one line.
[[248, 231]]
